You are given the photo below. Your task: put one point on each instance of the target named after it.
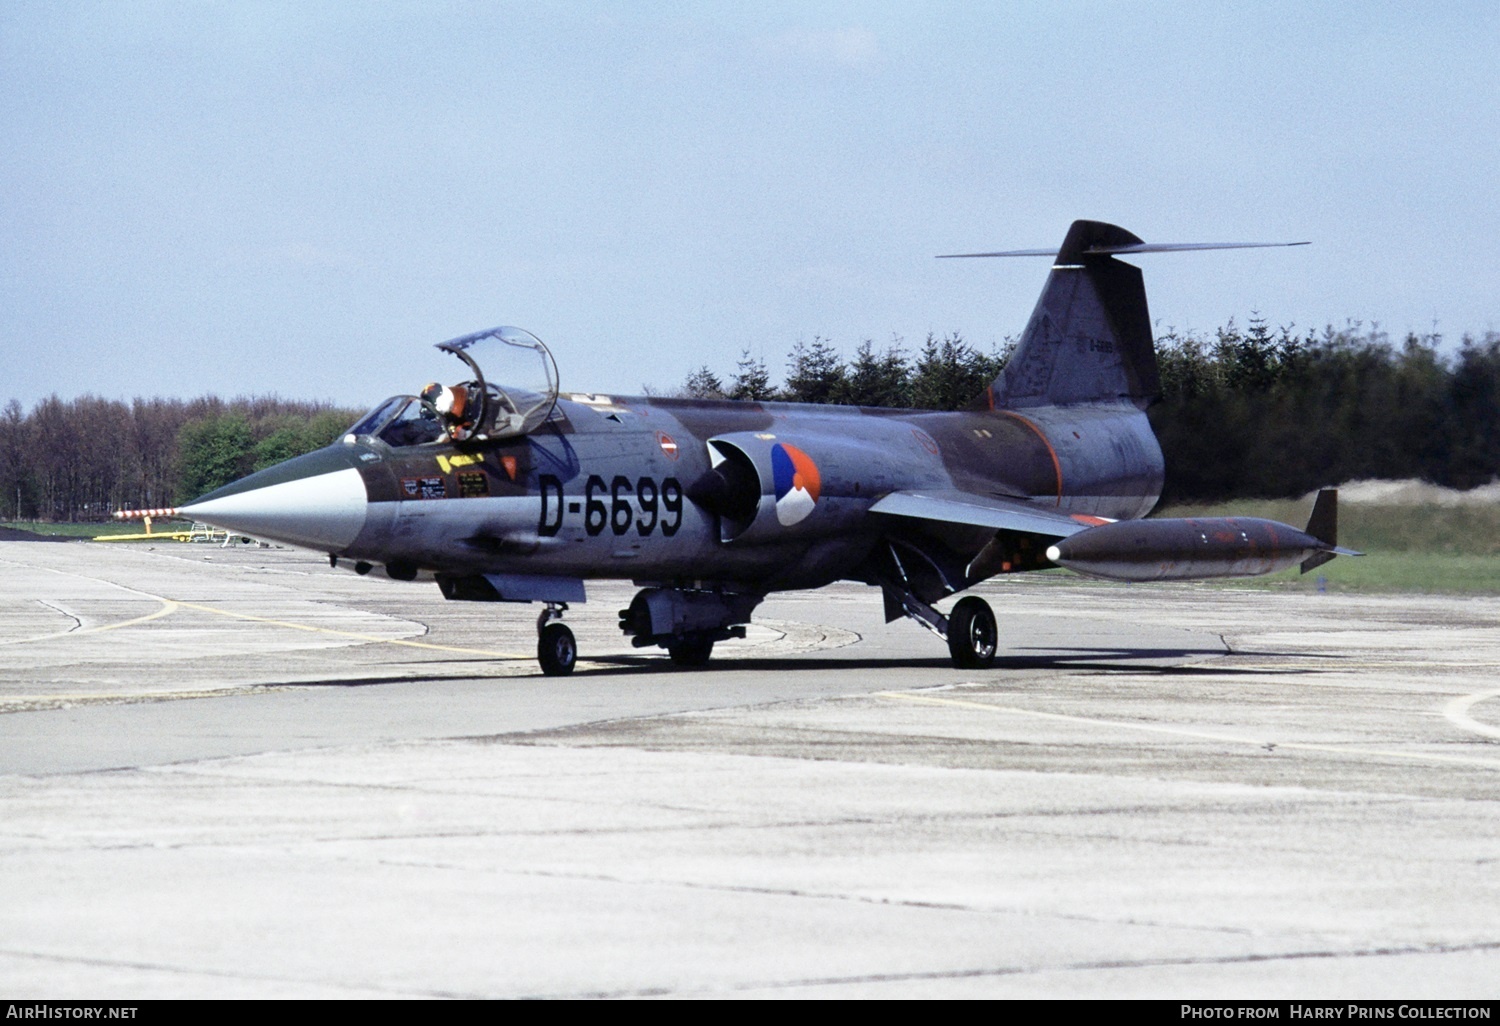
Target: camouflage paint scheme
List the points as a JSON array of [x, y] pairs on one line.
[[710, 505]]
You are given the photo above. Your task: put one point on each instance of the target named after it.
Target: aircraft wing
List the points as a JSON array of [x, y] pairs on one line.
[[955, 507]]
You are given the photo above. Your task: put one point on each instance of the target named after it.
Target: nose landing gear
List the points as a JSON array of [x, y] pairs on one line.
[[556, 649]]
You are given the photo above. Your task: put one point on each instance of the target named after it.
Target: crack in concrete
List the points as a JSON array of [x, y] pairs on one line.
[[1076, 967]]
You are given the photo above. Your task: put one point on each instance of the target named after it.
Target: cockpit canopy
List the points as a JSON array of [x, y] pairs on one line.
[[511, 390], [519, 359]]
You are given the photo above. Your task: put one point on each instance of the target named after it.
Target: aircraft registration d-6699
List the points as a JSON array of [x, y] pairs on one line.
[[503, 490]]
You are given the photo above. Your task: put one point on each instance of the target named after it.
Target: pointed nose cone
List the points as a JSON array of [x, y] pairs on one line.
[[315, 501]]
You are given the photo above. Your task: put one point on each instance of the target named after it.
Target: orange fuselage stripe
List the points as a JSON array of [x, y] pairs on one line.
[[1056, 463]]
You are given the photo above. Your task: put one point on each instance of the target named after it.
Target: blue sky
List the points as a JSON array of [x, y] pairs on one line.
[[301, 198]]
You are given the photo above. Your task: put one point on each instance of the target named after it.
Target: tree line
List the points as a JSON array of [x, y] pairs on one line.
[[944, 374], [83, 458], [1245, 412], [1273, 414]]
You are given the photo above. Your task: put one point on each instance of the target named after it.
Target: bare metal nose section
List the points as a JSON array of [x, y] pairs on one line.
[[324, 511]]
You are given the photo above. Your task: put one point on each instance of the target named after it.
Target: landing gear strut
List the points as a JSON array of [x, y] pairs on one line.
[[970, 631], [555, 648]]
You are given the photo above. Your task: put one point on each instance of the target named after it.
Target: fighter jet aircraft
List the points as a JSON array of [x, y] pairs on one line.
[[503, 490]]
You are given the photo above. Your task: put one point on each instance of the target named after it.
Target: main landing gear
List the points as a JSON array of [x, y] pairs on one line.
[[687, 624], [556, 649], [972, 635], [970, 630]]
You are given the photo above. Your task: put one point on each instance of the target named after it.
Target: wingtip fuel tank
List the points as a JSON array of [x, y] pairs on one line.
[[1193, 548]]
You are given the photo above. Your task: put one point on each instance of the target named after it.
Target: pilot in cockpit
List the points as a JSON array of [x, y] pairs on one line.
[[453, 404]]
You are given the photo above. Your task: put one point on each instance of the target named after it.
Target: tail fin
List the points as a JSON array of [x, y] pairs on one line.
[[1089, 338]]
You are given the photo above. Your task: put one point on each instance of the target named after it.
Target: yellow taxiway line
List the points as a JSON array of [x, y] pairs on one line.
[[347, 634], [169, 606]]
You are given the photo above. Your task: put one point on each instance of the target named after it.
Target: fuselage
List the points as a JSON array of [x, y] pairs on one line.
[[759, 496], [503, 490]]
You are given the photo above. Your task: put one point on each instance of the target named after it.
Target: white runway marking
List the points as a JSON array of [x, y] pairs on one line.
[[1457, 713], [167, 606], [1266, 743]]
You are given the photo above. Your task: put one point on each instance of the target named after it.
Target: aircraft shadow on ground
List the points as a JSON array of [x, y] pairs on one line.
[[1107, 660], [1093, 660], [370, 682]]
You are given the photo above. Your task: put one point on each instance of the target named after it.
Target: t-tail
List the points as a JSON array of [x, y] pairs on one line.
[[1089, 339]]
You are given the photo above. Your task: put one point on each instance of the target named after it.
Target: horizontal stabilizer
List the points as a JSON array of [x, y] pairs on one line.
[[1089, 337], [1125, 250]]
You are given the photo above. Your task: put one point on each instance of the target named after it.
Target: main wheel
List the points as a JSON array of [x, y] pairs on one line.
[[972, 637], [556, 650], [692, 650]]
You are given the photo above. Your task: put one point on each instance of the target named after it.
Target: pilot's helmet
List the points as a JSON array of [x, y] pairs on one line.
[[457, 400], [431, 392]]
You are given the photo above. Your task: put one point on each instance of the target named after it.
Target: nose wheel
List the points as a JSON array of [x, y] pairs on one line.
[[556, 650]]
